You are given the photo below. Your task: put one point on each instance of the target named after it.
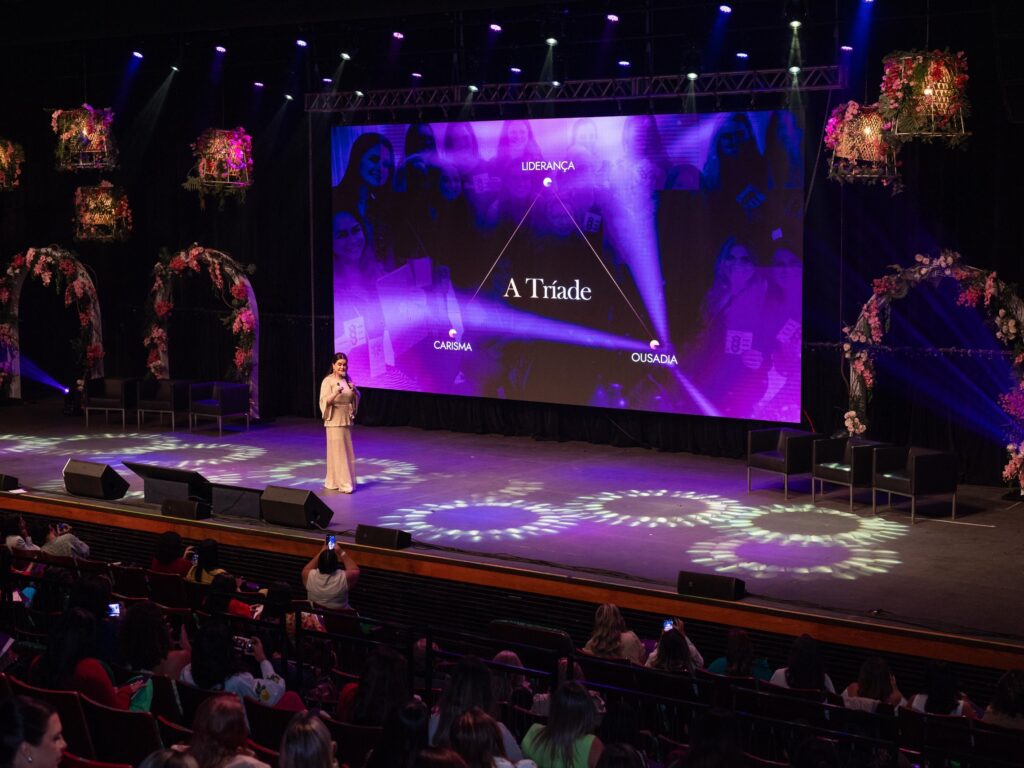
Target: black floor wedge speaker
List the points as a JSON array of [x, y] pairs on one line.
[[187, 509], [294, 507], [710, 585], [97, 481], [8, 483], [385, 538]]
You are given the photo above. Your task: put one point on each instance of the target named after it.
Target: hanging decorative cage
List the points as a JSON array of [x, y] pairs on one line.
[[84, 139], [102, 213], [861, 150], [223, 163], [11, 158], [924, 95]]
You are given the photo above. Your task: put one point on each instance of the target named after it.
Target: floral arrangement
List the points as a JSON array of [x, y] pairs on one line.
[[84, 138], [102, 213], [983, 290], [223, 164], [861, 151], [229, 282], [11, 157], [923, 95], [52, 266]]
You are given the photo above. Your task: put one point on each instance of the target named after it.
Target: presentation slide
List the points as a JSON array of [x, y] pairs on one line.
[[645, 262]]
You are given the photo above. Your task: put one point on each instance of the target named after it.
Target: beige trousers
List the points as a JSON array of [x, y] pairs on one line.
[[341, 460]]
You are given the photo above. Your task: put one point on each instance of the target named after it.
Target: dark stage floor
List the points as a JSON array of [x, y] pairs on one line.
[[624, 515]]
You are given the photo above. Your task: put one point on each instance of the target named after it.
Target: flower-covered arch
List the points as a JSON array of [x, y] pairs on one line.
[[1003, 309], [230, 284], [61, 269]]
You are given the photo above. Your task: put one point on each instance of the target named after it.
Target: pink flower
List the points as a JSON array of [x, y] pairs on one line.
[[243, 357], [239, 291], [245, 322], [162, 308], [93, 353]]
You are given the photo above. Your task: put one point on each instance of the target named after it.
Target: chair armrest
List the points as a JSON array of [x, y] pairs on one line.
[[201, 391], [130, 392], [892, 457], [798, 451], [93, 388], [234, 398], [831, 449], [934, 472], [761, 440]]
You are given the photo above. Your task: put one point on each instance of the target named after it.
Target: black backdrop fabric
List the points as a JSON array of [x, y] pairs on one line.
[[965, 199]]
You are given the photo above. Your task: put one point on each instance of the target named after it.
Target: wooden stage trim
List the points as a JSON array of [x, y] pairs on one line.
[[860, 634]]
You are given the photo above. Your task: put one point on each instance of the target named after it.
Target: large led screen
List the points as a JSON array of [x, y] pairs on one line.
[[642, 262]]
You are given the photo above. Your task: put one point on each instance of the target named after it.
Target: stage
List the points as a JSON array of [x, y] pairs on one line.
[[616, 516]]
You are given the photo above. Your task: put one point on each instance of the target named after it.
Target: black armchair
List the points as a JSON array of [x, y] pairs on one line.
[[161, 396], [914, 472], [782, 451], [109, 394], [218, 400], [842, 461]]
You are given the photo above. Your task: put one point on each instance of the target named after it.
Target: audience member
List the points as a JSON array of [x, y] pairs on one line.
[[439, 757], [469, 686], [1007, 707], [383, 686], [220, 733], [403, 737], [475, 735], [942, 695], [208, 563], [57, 539], [329, 576], [509, 685], [611, 639], [805, 669], [169, 556], [146, 642], [215, 666], [30, 734], [541, 704], [675, 652], [568, 740], [875, 686], [307, 743], [221, 597], [621, 726], [15, 532], [739, 659], [169, 758], [95, 593], [621, 756]]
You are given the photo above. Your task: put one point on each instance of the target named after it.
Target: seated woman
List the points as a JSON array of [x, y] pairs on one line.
[[403, 737], [30, 734], [675, 652], [307, 743], [169, 556], [739, 659], [220, 598], [943, 695], [146, 642], [215, 666], [611, 639], [510, 686], [329, 576], [1007, 707], [208, 564], [382, 687], [277, 607], [476, 737], [541, 704], [875, 686], [805, 669], [220, 733], [568, 740]]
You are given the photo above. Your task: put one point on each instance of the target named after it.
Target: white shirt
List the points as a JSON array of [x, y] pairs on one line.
[[328, 590]]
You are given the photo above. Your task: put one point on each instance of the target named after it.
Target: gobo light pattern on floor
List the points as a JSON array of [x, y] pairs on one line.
[[489, 519], [649, 508]]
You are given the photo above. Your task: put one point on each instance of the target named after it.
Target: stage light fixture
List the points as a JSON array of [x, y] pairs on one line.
[[301, 43], [612, 18], [397, 35], [289, 97], [556, 83], [417, 75], [495, 27], [796, 23], [137, 54], [725, 8], [845, 48], [515, 70], [692, 75], [327, 80], [623, 63], [794, 70], [473, 89], [257, 84], [345, 56], [174, 68], [552, 42], [359, 94], [220, 49], [742, 55]]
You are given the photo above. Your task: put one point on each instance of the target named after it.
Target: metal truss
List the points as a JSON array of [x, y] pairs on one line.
[[822, 78]]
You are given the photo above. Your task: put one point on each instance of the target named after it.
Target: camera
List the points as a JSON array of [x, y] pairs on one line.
[[194, 557], [331, 540], [113, 609], [243, 644], [668, 624]]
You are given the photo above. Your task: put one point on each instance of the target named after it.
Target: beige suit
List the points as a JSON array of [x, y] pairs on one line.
[[338, 403]]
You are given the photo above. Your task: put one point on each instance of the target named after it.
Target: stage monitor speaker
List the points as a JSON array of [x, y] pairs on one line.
[[97, 481], [710, 585], [8, 483], [294, 507], [185, 509], [385, 538]]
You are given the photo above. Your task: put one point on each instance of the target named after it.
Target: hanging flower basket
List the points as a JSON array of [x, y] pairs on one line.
[[102, 213], [223, 164], [11, 158], [84, 139], [861, 151], [924, 95]]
